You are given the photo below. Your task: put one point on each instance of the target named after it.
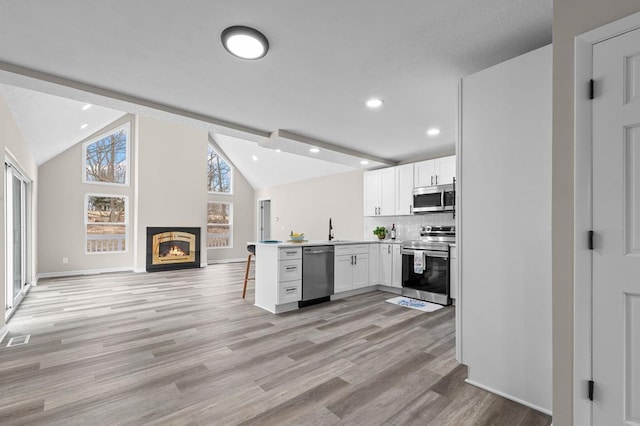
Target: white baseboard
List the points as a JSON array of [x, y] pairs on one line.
[[3, 332], [213, 262], [84, 272], [512, 398]]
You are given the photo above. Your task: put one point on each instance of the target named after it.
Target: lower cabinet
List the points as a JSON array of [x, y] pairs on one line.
[[351, 267], [391, 265]]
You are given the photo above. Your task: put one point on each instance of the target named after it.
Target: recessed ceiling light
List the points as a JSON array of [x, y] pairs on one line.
[[364, 162], [314, 150], [433, 131], [254, 158], [374, 103], [84, 126], [245, 42], [86, 107], [278, 150]]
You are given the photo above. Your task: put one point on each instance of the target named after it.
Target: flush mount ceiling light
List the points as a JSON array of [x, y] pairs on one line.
[[86, 107], [364, 162], [254, 158], [84, 126], [314, 150], [374, 103], [433, 131], [245, 42]]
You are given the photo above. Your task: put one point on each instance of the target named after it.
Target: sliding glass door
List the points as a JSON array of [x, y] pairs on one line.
[[16, 231]]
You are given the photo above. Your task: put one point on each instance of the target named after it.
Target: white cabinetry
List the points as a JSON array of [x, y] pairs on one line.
[[396, 266], [380, 192], [391, 265], [351, 267], [404, 189], [453, 268], [278, 277], [374, 264], [439, 171]]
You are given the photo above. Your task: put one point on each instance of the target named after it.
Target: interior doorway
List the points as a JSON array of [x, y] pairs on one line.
[[264, 220], [18, 234]]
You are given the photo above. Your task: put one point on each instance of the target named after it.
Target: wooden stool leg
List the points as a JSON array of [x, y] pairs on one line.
[[246, 276]]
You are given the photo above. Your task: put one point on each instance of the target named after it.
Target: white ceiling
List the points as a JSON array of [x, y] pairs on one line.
[[51, 124], [273, 168], [326, 59]]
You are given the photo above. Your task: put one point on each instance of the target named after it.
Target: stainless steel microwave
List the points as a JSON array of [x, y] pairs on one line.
[[433, 199]]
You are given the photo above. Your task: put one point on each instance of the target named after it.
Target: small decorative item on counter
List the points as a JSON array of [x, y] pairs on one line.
[[381, 232], [295, 236], [393, 232]]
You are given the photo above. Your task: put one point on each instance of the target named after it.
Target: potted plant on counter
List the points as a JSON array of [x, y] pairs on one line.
[[381, 232]]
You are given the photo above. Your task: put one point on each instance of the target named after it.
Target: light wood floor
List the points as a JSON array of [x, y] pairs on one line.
[[182, 347]]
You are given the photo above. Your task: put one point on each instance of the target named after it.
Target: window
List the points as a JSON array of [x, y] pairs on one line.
[[219, 225], [219, 173], [106, 158], [106, 223]]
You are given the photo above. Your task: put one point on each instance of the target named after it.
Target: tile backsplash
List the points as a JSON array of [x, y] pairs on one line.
[[407, 227]]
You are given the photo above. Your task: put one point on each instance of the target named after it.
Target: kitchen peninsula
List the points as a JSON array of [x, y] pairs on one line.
[[357, 267]]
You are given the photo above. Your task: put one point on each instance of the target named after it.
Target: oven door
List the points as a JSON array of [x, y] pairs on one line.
[[433, 282]]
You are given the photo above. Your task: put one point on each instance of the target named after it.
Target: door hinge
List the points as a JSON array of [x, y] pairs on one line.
[[592, 89], [591, 386], [591, 233]]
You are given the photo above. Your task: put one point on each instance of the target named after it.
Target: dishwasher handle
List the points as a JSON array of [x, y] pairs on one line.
[[318, 250]]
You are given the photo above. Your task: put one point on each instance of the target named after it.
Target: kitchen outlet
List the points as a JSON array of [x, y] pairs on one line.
[[65, 260]]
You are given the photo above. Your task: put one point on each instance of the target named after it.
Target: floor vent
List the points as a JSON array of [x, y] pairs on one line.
[[18, 340]]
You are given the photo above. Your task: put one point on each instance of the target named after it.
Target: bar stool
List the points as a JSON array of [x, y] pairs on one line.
[[251, 248]]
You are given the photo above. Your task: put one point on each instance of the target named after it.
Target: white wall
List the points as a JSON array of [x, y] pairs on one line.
[[506, 228], [61, 211], [171, 181], [570, 18], [306, 206], [13, 145]]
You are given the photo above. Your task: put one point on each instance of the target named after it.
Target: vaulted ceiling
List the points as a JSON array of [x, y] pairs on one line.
[[326, 59]]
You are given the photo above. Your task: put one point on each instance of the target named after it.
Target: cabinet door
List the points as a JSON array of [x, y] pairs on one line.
[[424, 173], [361, 271], [404, 189], [371, 193], [388, 191], [374, 264], [446, 169], [386, 261], [343, 274], [396, 266]]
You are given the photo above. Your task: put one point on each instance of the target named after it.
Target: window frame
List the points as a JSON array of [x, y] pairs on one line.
[[230, 204], [127, 127], [87, 223], [231, 170]]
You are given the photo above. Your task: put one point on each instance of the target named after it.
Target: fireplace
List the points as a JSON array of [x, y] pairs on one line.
[[170, 248]]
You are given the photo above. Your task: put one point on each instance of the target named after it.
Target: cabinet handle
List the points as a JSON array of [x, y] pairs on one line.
[[436, 179], [355, 259], [291, 268], [431, 180], [352, 260], [291, 252], [410, 208], [389, 249], [290, 289]]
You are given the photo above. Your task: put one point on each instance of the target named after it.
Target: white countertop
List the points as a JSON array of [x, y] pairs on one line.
[[324, 243]]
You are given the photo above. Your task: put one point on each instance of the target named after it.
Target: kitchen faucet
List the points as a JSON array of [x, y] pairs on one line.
[[330, 230]]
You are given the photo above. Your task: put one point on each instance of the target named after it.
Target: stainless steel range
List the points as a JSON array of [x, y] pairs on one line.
[[425, 264]]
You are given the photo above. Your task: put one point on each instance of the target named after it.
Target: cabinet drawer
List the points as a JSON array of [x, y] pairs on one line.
[[360, 249], [343, 250], [290, 270], [290, 291], [290, 253]]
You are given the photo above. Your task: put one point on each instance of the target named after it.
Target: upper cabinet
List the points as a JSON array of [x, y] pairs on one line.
[[380, 192], [439, 171], [404, 189]]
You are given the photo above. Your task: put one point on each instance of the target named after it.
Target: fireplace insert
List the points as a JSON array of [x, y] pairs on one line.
[[170, 248]]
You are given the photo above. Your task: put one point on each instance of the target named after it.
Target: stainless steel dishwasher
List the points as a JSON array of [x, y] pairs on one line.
[[317, 275]]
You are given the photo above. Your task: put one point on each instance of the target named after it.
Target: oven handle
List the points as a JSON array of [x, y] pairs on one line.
[[430, 253]]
